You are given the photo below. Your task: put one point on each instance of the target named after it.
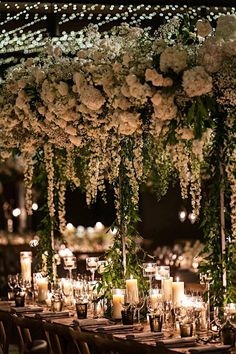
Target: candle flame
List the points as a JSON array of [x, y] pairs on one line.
[[177, 279], [131, 277]]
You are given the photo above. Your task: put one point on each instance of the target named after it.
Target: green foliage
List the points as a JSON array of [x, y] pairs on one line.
[[213, 263]]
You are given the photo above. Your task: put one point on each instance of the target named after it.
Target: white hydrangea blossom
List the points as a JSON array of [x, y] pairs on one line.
[[197, 82]]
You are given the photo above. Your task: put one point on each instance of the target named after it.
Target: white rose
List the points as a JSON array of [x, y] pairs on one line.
[[49, 116], [61, 123], [76, 140], [42, 110], [128, 122], [174, 59], [156, 99], [69, 129], [63, 88], [92, 98], [39, 75], [203, 28], [197, 82]]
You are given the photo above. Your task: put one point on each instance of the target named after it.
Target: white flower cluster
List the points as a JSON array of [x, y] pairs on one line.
[[197, 82], [112, 90]]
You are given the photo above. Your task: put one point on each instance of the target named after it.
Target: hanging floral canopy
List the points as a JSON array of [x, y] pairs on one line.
[[127, 108]]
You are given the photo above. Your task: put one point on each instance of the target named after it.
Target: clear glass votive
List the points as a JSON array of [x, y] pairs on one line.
[[155, 322], [186, 329], [20, 300], [81, 309], [127, 316], [162, 272]]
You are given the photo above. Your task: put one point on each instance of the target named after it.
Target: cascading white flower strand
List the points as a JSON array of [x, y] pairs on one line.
[[28, 181], [48, 159], [195, 185], [180, 156], [70, 169], [61, 206]]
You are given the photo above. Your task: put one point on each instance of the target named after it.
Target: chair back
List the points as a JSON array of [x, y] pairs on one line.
[[38, 346], [29, 329], [106, 344], [5, 330], [61, 341]]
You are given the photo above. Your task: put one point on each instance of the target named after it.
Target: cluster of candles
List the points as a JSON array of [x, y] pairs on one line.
[[164, 301]]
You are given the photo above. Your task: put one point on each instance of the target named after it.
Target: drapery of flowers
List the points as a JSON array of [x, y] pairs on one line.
[[127, 103]]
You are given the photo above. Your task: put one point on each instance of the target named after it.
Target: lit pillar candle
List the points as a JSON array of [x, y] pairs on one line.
[[167, 289], [42, 284], [177, 292], [117, 301], [26, 261], [132, 290]]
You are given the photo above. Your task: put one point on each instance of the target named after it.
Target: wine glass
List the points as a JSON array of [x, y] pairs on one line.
[[70, 263], [12, 281], [92, 265], [139, 305]]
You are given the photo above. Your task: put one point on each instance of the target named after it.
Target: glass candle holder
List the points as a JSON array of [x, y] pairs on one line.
[[186, 329], [162, 272], [70, 263], [81, 309], [127, 316], [20, 300], [26, 262], [149, 271], [92, 265], [155, 322]]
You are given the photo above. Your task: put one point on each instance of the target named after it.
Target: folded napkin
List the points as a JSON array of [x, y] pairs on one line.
[[144, 335], [50, 314], [26, 309], [210, 349], [116, 328], [178, 342], [92, 322]]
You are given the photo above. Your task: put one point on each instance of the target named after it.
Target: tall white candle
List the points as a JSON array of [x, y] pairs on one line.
[[25, 261], [167, 289], [132, 290], [177, 292], [117, 301], [42, 284]]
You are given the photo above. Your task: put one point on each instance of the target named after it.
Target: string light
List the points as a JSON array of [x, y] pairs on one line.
[[23, 39]]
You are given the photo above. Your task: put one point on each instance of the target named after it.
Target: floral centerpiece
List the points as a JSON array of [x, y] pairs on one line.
[[129, 107]]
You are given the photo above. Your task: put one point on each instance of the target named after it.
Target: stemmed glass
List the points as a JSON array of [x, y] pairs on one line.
[[138, 306], [92, 265], [149, 271], [70, 263], [12, 281]]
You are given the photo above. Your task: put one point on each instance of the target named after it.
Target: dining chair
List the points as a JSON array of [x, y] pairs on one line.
[[106, 344], [61, 340], [38, 346], [5, 331], [29, 330]]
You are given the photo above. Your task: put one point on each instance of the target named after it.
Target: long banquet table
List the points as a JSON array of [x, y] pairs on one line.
[[138, 333]]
